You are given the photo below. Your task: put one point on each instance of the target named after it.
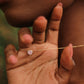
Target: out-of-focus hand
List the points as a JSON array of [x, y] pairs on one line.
[[41, 67]]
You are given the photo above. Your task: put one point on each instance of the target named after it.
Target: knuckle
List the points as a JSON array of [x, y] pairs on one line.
[[54, 25]]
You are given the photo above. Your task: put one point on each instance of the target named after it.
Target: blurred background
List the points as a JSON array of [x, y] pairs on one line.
[[8, 35]]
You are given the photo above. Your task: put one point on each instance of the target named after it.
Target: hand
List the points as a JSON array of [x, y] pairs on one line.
[[41, 65]]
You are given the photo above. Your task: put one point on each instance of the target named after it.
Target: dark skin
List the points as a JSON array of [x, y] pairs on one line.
[[73, 27], [63, 41], [24, 12]]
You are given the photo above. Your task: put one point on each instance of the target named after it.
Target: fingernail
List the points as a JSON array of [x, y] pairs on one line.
[[60, 4], [27, 38], [12, 59], [73, 62], [71, 49]]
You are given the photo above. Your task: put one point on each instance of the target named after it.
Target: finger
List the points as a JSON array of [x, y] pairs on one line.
[[25, 38], [39, 28], [66, 65], [53, 27], [11, 54]]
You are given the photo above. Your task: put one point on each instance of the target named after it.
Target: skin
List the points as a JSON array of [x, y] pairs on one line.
[[24, 12], [72, 26], [41, 67], [75, 38]]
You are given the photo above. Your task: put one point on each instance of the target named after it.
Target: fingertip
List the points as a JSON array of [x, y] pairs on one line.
[[71, 49], [71, 45], [12, 59], [57, 12], [60, 4], [27, 38], [40, 24], [41, 18]]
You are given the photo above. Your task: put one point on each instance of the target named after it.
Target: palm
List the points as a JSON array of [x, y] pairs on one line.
[[33, 68], [41, 67]]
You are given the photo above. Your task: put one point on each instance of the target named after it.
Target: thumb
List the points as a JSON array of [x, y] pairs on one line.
[[66, 65]]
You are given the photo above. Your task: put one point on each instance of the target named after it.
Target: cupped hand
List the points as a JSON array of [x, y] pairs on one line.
[[36, 61]]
